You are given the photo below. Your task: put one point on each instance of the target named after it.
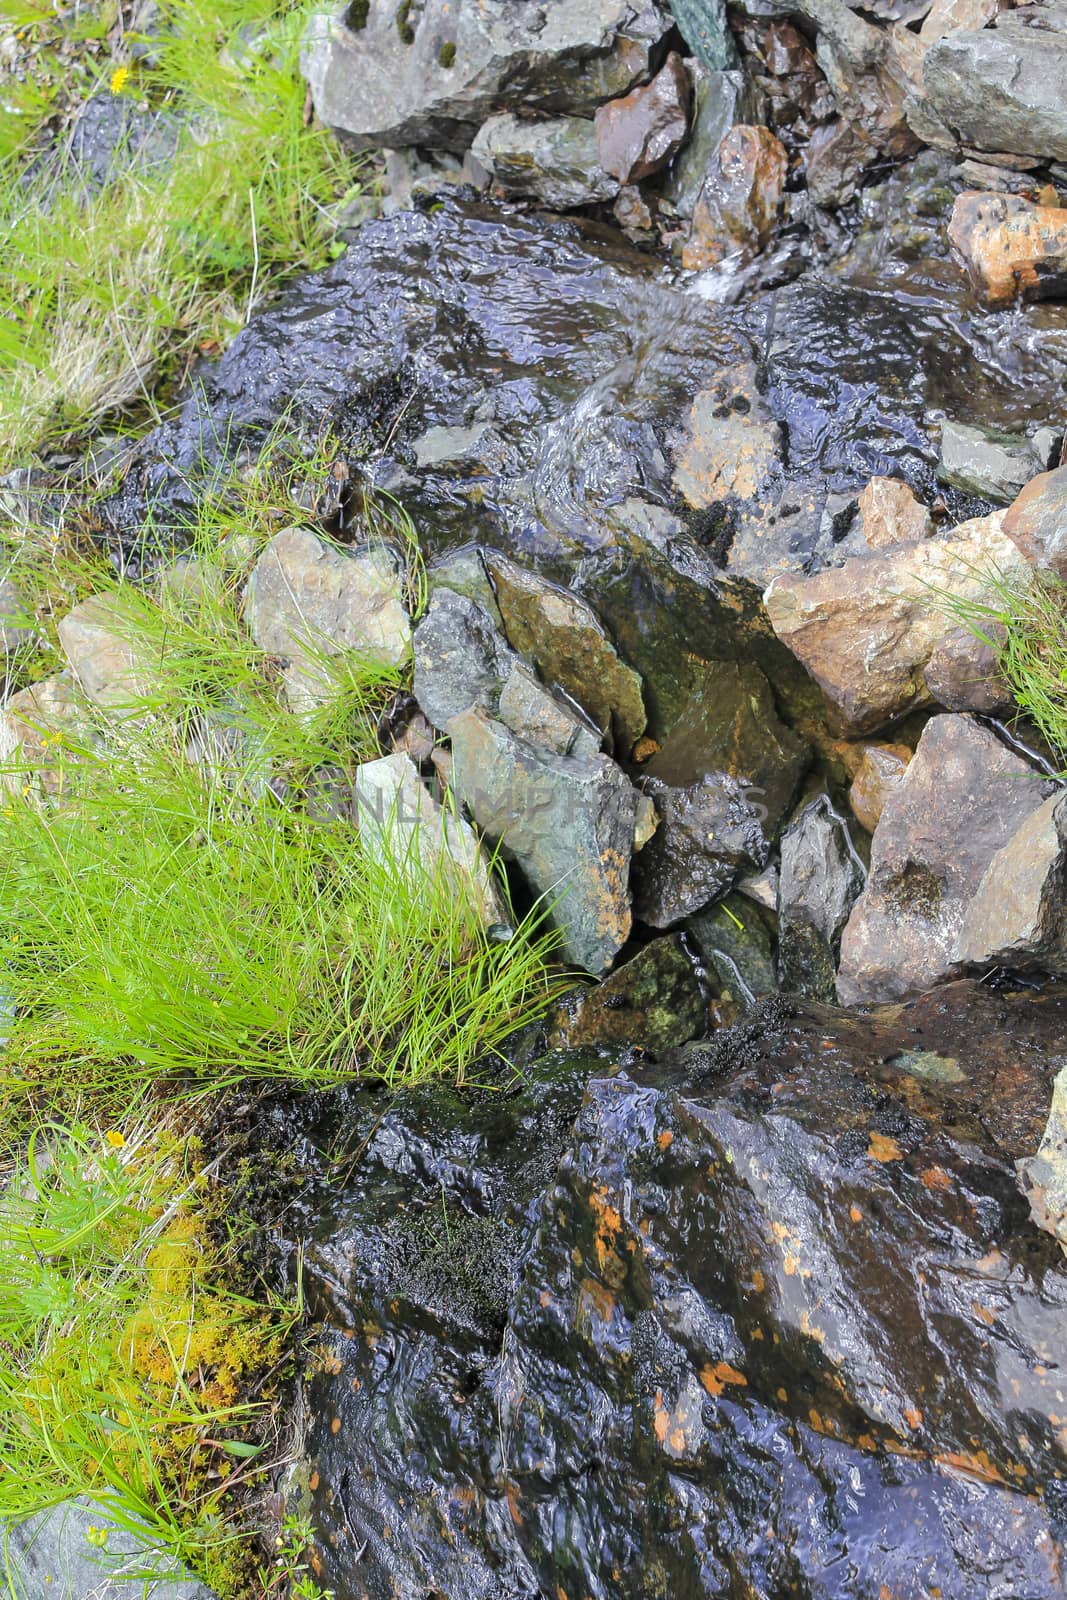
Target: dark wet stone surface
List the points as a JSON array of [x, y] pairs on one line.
[[769, 1317]]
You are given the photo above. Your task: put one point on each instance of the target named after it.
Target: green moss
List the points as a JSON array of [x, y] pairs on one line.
[[447, 53], [357, 14], [403, 23]]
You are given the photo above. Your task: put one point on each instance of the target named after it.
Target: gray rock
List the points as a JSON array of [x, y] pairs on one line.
[[16, 626], [1018, 917], [111, 666], [310, 602], [963, 798], [536, 715], [432, 74], [568, 823], [994, 466], [403, 825], [41, 728], [555, 160], [49, 1557], [709, 832], [1037, 521], [821, 878], [721, 99], [1043, 1177], [1002, 88], [461, 659], [464, 572]]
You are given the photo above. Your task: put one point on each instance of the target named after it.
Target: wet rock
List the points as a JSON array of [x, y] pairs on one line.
[[963, 673], [712, 1288], [866, 630], [1037, 521], [555, 160], [870, 71], [740, 200], [996, 467], [735, 942], [562, 636], [308, 602], [460, 658], [1018, 916], [41, 728], [708, 833], [50, 1557], [720, 100], [430, 75], [639, 133], [1043, 1176], [110, 665], [568, 823], [837, 155], [878, 775], [109, 135], [703, 26], [891, 513], [633, 214], [963, 798], [821, 878], [730, 724], [1002, 88], [1011, 249], [403, 826], [653, 1001]]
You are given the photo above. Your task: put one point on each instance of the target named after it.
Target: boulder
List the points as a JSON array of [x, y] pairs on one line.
[[963, 672], [1037, 521], [995, 466], [740, 199], [564, 639], [704, 27], [639, 133], [1001, 89], [460, 658], [111, 664], [877, 775], [51, 1557], [555, 160], [431, 74], [1010, 248], [708, 833], [1018, 915], [821, 878], [310, 602], [652, 1002], [402, 826], [42, 727], [734, 940], [566, 821], [770, 1306], [1043, 1176], [890, 512], [963, 798], [720, 100], [866, 630]]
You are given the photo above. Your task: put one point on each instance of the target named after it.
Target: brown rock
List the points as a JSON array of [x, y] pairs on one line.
[[740, 200], [946, 16], [564, 639], [1043, 1176], [962, 674], [891, 513], [42, 728], [837, 154], [1037, 520], [879, 774], [639, 133], [1018, 916], [963, 797], [1011, 249], [866, 630]]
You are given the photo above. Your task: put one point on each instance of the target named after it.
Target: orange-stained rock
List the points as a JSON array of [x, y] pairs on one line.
[[891, 513], [741, 198], [638, 134], [880, 770], [1010, 248]]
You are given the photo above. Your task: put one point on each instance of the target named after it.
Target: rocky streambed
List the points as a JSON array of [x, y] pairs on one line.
[[718, 358]]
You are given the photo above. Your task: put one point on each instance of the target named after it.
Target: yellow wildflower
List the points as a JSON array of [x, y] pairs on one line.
[[115, 1139], [118, 79]]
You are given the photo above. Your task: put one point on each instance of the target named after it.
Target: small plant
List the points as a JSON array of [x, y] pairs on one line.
[[290, 1572]]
